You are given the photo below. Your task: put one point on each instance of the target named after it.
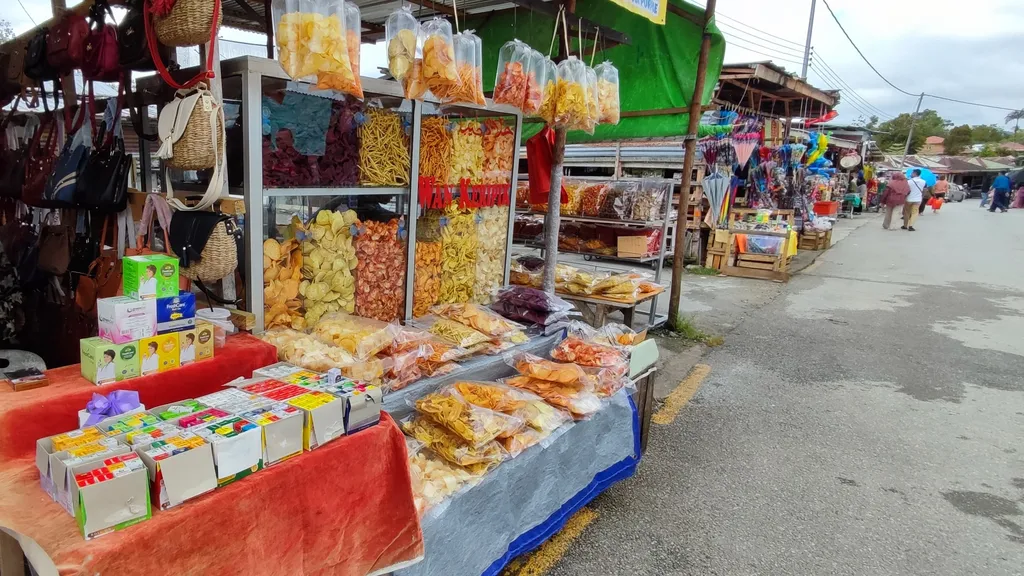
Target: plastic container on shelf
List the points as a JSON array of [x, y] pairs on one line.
[[608, 92], [439, 70], [221, 320]]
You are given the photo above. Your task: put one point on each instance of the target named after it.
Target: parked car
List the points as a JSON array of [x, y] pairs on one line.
[[975, 191], [956, 193]]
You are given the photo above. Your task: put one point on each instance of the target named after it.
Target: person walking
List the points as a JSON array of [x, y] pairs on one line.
[[1001, 195], [1018, 201], [894, 197], [985, 193], [939, 192], [914, 199]]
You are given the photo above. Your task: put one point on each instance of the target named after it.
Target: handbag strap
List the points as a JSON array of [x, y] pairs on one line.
[[134, 100], [216, 186], [155, 204], [125, 230], [154, 52]]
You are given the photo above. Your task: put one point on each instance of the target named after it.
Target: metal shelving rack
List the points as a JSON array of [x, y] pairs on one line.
[[250, 71]]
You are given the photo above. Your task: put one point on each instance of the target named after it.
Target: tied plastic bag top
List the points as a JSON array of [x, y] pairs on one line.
[[571, 94], [439, 72], [534, 299], [469, 64], [512, 83], [547, 79], [537, 367], [451, 447], [608, 92], [474, 425], [402, 31]]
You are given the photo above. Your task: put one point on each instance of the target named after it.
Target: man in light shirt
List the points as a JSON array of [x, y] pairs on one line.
[[917, 186]]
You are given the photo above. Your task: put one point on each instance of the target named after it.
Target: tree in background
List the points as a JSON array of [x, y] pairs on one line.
[[958, 139], [993, 150], [1015, 117], [6, 31], [984, 134], [895, 131]]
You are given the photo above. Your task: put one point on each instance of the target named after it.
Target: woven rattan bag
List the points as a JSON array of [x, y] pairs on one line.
[[206, 244], [191, 130], [188, 23]]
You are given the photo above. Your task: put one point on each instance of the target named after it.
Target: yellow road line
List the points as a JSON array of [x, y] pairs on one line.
[[681, 395], [543, 559]]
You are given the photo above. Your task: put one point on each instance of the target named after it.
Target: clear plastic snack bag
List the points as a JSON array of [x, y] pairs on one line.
[[593, 108], [338, 57], [533, 299], [618, 200], [571, 94], [439, 72], [474, 425], [561, 372], [528, 406], [649, 199], [547, 80], [451, 331], [581, 403], [302, 27], [469, 63], [477, 317], [363, 337], [608, 92], [512, 79], [401, 31], [451, 447]]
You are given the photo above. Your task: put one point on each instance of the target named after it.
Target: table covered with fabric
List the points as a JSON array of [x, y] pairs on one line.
[[526, 500], [345, 508]]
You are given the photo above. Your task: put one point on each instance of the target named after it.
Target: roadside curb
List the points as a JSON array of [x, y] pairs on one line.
[[800, 264]]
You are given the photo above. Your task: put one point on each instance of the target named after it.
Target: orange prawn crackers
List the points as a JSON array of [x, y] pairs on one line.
[[537, 367], [580, 402], [580, 351]]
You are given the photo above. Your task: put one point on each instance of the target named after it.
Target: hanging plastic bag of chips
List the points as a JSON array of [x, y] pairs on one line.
[[593, 109], [439, 73], [468, 62], [512, 80], [571, 95], [608, 92], [402, 30], [331, 53], [547, 79], [301, 28]]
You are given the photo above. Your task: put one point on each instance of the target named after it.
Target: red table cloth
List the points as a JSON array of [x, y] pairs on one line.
[[345, 508]]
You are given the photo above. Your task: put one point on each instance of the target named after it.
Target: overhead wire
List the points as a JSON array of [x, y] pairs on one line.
[[853, 103], [27, 13], [850, 93], [819, 63]]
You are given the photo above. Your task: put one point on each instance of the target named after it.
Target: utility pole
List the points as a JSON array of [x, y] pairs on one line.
[[807, 46], [679, 244], [913, 120]]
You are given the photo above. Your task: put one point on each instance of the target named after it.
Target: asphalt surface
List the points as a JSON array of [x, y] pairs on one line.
[[867, 418]]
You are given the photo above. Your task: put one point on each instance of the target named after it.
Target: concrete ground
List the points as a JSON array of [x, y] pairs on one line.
[[866, 418]]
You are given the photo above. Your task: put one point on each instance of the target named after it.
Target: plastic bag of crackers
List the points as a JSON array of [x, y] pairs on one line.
[[474, 425], [433, 479]]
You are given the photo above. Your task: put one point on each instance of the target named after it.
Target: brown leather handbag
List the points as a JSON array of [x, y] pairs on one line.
[[103, 279], [55, 241], [39, 160], [65, 46]]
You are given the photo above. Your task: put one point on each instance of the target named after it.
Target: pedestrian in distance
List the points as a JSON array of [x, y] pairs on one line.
[[985, 193], [910, 208], [1018, 201], [1001, 193], [894, 197], [939, 192]]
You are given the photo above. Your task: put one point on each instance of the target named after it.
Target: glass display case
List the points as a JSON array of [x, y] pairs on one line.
[[378, 207]]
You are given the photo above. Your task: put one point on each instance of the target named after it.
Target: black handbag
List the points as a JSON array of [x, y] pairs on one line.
[[37, 67], [62, 186], [12, 160], [132, 43], [104, 180]]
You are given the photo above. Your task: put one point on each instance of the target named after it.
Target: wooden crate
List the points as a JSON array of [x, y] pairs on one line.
[[812, 240]]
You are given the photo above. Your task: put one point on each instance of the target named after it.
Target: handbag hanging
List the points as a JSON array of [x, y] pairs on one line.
[[37, 66], [12, 158], [155, 205], [103, 183], [55, 243], [191, 130], [206, 244], [40, 157], [187, 22], [133, 46], [205, 73], [62, 186], [101, 60], [65, 46], [103, 278]]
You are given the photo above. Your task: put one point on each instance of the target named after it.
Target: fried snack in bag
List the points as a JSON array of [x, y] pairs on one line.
[[328, 265], [498, 145], [380, 274], [402, 368], [455, 333], [459, 246], [520, 441], [512, 80], [547, 78], [615, 334], [518, 274], [363, 337], [302, 29], [401, 31], [414, 86], [617, 286], [536, 367], [571, 95], [490, 261], [577, 350], [436, 149], [591, 197], [308, 352], [526, 405], [433, 479], [593, 109], [446, 444], [342, 73], [469, 63], [609, 380], [282, 264], [440, 73], [473, 424], [608, 92], [534, 299], [580, 402], [573, 191], [427, 284], [477, 317], [467, 152], [383, 149]]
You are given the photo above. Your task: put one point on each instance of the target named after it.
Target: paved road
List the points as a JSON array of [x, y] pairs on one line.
[[867, 420]]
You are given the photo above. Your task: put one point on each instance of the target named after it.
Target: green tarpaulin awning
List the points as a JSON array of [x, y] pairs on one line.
[[657, 70]]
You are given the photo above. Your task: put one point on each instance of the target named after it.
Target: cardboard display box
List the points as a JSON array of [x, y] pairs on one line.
[[283, 427], [174, 411], [110, 495], [103, 361], [361, 403], [122, 319], [324, 417], [176, 313], [53, 460], [159, 353], [150, 276], [237, 447], [180, 468]]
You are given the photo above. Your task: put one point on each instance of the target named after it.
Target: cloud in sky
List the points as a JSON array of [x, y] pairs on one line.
[[969, 50]]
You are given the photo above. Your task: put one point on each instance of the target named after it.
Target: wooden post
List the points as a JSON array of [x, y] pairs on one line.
[[552, 219], [691, 147]]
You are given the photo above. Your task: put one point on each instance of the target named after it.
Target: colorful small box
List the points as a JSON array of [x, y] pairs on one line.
[[237, 447], [187, 346], [103, 361], [176, 313], [276, 371], [282, 427], [176, 410], [204, 340], [362, 403], [150, 434], [159, 353], [150, 276], [324, 417], [110, 495], [285, 392], [202, 417], [180, 467], [127, 423], [122, 319], [263, 386]]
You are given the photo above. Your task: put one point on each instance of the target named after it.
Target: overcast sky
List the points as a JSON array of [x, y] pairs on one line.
[[962, 49]]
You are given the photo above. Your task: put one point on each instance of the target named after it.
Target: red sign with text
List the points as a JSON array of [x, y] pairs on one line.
[[434, 195]]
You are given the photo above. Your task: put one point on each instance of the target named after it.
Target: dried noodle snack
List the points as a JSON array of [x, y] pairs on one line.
[[383, 149], [436, 149], [474, 425]]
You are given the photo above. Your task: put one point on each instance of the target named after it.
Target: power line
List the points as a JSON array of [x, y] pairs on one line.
[[780, 46], [767, 49], [853, 103], [719, 14], [870, 65], [27, 14], [776, 56], [823, 68]]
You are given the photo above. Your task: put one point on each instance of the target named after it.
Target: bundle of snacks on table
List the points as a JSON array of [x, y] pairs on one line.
[[521, 303], [434, 479], [623, 286], [537, 414], [575, 281], [314, 354], [362, 337], [586, 353], [559, 372], [453, 332], [518, 274], [471, 423], [478, 318], [578, 400], [451, 447], [459, 246], [282, 268], [512, 81], [380, 275], [328, 283]]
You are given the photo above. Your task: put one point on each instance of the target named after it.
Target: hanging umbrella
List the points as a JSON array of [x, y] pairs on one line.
[[926, 175], [715, 186], [744, 145], [797, 153]]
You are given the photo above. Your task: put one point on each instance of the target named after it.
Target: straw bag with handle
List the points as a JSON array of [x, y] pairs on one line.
[[191, 131], [185, 22]]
